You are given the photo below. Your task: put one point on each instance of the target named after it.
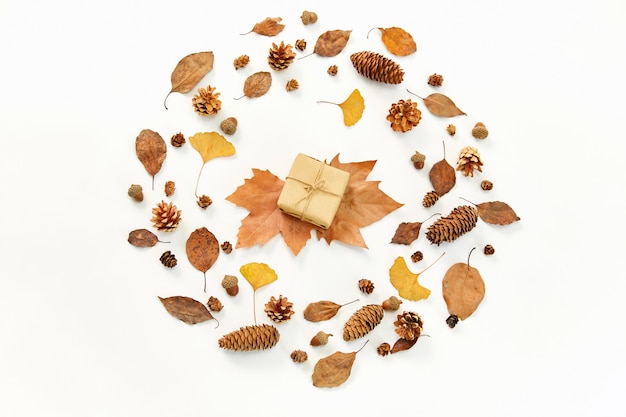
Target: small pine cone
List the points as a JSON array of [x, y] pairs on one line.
[[292, 85], [231, 284], [332, 70], [480, 131], [363, 321], [452, 321], [486, 185], [392, 303], [170, 187], [214, 304], [460, 221], [409, 325], [229, 125], [308, 17], [166, 217], [168, 259], [404, 115], [280, 56], [489, 250], [241, 61], [136, 192], [377, 68], [418, 160], [178, 140], [256, 337], [279, 310], [451, 129], [469, 160], [366, 286], [383, 349], [206, 102], [300, 44], [320, 339], [417, 256], [435, 80], [204, 201], [227, 247], [430, 199], [299, 356]]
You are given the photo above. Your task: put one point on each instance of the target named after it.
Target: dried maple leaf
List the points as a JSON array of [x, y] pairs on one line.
[[463, 289], [441, 105], [210, 145], [398, 41], [202, 249], [257, 84], [334, 370], [270, 26], [406, 233], [142, 238], [496, 212], [331, 43], [442, 175], [187, 309], [151, 151], [189, 71], [352, 107], [322, 310]]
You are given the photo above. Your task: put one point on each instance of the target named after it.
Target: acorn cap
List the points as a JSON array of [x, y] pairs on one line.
[[480, 131]]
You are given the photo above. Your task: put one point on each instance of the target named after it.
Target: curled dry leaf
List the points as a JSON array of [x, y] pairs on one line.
[[151, 151], [142, 238], [189, 71], [270, 26], [406, 282], [352, 107], [257, 84], [322, 310], [496, 212], [403, 344], [398, 41], [406, 233], [332, 42], [186, 309], [203, 249], [463, 290]]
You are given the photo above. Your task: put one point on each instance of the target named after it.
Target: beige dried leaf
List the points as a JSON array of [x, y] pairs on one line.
[[189, 71], [257, 84]]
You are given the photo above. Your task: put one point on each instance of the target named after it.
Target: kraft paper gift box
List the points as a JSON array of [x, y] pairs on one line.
[[313, 191]]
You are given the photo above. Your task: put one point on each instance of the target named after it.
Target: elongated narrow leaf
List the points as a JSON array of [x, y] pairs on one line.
[[186, 309], [441, 105]]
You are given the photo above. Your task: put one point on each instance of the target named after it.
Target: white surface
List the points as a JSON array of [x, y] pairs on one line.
[[82, 330]]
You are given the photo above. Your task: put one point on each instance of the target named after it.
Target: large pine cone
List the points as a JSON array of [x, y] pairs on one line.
[[409, 325], [377, 68], [460, 221], [404, 115], [279, 310], [166, 217], [280, 56], [363, 321], [206, 102], [469, 160], [257, 337]]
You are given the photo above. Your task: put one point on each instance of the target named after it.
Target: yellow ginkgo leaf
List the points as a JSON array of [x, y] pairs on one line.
[[258, 274], [406, 282], [211, 145], [352, 107]]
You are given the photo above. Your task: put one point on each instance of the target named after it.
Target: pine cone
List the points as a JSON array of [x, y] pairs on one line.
[[300, 44], [227, 247], [366, 286], [204, 201], [377, 68], [469, 160], [486, 185], [452, 320], [333, 70], [489, 250], [417, 256], [169, 188], [409, 325], [178, 140], [168, 259], [299, 356], [166, 217], [430, 199], [135, 191], [383, 349], [214, 304], [292, 85], [231, 284], [241, 61], [206, 102], [256, 337], [363, 321], [279, 310], [280, 56], [435, 80], [404, 115], [460, 221]]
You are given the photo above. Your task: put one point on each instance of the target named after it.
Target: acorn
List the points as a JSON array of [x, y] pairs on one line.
[[136, 192], [308, 17], [480, 131], [392, 303], [418, 160], [229, 126], [320, 338], [231, 284]]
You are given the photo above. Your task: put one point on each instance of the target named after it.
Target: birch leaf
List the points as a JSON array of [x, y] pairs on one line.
[[257, 84], [406, 282], [142, 238], [186, 309], [270, 26], [398, 41], [151, 151], [332, 42], [463, 290], [496, 212], [442, 175], [322, 310], [189, 71], [258, 274], [333, 370], [202, 249], [352, 107], [211, 145], [441, 105]]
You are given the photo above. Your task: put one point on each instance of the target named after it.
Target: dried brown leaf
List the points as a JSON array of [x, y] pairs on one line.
[[187, 309], [151, 151], [333, 370], [332, 42], [142, 238], [321, 310], [463, 290], [398, 41], [442, 177], [406, 233], [403, 344], [257, 84], [441, 105], [496, 212], [270, 26], [189, 71], [203, 249]]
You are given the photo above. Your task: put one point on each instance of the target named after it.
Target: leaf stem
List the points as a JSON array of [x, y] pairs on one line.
[[468, 256], [431, 216], [198, 180], [409, 91], [204, 275], [254, 306], [467, 200], [327, 102], [312, 53], [353, 301], [366, 342], [436, 260], [165, 100]]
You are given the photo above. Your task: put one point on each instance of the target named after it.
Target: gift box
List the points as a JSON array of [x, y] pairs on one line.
[[313, 191]]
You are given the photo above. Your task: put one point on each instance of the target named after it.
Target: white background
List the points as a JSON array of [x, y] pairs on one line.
[[82, 332]]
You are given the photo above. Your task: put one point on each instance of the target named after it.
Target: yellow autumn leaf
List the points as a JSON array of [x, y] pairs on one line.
[[258, 274], [211, 145], [406, 282], [352, 107], [398, 41]]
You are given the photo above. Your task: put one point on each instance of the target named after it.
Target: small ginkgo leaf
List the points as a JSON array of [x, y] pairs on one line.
[[496, 212], [257, 84], [406, 282], [270, 26], [187, 309], [322, 310], [189, 71], [398, 41], [258, 274], [352, 107], [331, 43], [211, 145]]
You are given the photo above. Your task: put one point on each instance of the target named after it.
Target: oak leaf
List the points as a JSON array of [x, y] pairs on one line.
[[463, 290], [333, 370], [151, 151], [142, 238], [189, 71], [187, 309], [406, 233], [270, 26], [496, 212], [398, 41], [352, 107], [406, 282], [331, 43], [258, 274], [203, 250], [257, 84], [322, 310]]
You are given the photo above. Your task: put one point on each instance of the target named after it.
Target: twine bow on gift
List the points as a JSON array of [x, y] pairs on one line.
[[317, 185]]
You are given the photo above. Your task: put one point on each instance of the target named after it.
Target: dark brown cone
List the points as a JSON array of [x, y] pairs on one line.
[[430, 199], [460, 221], [256, 337], [363, 321], [376, 67], [366, 286], [168, 259], [214, 304], [383, 349], [178, 140], [166, 217], [280, 56]]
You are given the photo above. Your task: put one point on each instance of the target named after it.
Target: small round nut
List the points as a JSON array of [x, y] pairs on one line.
[[308, 17], [231, 284], [480, 131], [320, 338], [229, 125], [418, 160], [392, 303], [136, 192]]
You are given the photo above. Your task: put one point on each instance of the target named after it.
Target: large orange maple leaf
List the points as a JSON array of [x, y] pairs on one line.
[[363, 203]]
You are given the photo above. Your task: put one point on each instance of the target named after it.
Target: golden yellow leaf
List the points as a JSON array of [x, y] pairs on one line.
[[352, 107], [398, 41], [211, 145], [406, 282], [258, 274]]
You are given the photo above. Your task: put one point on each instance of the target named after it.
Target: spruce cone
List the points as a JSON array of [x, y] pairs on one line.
[[214, 304], [417, 256], [279, 310], [430, 199], [460, 221], [241, 61], [292, 85], [363, 321], [489, 250], [435, 80], [383, 349], [256, 337], [404, 115], [366, 286], [227, 247], [409, 325], [376, 67], [206, 102], [300, 44], [280, 56], [166, 217], [204, 201], [168, 259], [469, 160], [299, 356]]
